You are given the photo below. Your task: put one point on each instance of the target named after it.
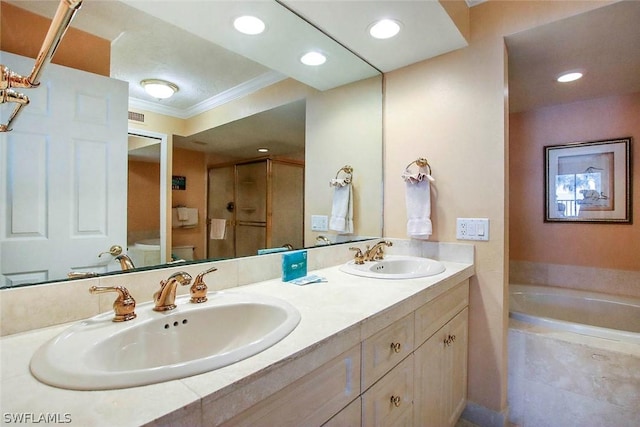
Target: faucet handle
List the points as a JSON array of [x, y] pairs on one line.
[[114, 250], [359, 257], [124, 306], [199, 288]]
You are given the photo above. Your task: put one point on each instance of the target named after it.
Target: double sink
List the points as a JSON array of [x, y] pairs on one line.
[[98, 354]]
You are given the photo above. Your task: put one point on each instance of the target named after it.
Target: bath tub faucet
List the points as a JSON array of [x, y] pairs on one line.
[[165, 298], [376, 252]]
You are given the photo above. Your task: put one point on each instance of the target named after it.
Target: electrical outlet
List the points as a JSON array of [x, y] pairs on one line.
[[472, 229], [319, 223]]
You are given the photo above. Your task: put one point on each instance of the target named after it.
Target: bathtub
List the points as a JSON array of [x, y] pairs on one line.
[[586, 313]]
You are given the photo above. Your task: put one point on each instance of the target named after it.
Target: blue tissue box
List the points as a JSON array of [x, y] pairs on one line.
[[294, 265]]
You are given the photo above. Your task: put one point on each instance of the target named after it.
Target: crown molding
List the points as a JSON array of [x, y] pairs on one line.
[[242, 90]]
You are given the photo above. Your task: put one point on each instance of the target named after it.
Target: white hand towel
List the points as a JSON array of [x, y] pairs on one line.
[[183, 214], [218, 228], [342, 209], [418, 199]]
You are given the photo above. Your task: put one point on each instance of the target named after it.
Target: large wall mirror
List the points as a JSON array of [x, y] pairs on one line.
[[237, 93]]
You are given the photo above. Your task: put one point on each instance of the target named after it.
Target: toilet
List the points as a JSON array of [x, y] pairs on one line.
[[147, 252]]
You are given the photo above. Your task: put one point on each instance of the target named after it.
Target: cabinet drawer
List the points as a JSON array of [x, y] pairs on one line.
[[385, 349], [389, 402], [434, 314], [350, 416], [310, 401]]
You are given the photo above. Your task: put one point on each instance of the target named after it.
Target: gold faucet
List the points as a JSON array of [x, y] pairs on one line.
[[124, 306], [199, 288], [125, 262], [165, 298], [359, 258], [376, 253]]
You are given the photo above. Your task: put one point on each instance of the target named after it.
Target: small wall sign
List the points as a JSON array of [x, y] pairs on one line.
[[178, 182]]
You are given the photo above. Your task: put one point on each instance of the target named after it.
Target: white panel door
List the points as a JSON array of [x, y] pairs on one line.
[[63, 175]]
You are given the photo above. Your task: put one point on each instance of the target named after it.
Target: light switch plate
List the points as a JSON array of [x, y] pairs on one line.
[[319, 223], [472, 229]]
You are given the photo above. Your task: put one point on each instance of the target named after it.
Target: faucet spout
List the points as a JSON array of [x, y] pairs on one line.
[[126, 263], [376, 252], [165, 298]]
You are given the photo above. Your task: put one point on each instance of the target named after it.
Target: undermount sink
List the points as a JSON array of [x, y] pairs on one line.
[[395, 267], [98, 354]]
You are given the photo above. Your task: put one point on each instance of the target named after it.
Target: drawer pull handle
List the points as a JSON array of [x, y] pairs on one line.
[[396, 347], [449, 339], [396, 400]]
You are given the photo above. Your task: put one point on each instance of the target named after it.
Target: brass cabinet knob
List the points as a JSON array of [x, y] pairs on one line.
[[396, 347], [396, 400]]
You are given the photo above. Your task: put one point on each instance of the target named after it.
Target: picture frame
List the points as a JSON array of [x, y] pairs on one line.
[[588, 182]]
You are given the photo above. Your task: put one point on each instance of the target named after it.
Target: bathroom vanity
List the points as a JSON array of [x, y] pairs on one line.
[[367, 351]]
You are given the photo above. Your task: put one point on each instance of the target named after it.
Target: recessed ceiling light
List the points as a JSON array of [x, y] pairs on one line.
[[160, 89], [263, 150], [313, 58], [384, 29], [249, 25], [569, 77]]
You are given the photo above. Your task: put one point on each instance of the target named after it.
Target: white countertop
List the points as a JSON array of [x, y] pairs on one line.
[[335, 316]]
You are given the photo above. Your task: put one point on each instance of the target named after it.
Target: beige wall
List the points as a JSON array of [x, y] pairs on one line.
[[77, 49], [344, 127], [613, 246], [451, 109]]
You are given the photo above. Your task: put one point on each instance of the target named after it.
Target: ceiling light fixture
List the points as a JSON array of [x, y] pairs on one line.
[[249, 25], [569, 77], [313, 58], [263, 150], [384, 29], [160, 89]]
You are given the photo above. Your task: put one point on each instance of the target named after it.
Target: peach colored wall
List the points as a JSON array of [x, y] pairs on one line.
[[143, 197], [192, 165], [452, 110], [23, 32], [614, 246]]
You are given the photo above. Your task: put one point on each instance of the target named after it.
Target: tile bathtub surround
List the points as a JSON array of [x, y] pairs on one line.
[[335, 316], [26, 308], [558, 378], [593, 279]]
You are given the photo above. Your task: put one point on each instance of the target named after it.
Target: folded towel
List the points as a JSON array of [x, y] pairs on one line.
[[191, 215], [183, 214], [342, 209], [418, 199], [218, 228]]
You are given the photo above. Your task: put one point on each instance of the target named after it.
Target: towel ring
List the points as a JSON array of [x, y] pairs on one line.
[[421, 162], [346, 169]]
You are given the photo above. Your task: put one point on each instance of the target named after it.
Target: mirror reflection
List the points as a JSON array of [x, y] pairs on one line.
[[226, 107]]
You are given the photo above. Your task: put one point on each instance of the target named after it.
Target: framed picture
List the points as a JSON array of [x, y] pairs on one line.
[[588, 182]]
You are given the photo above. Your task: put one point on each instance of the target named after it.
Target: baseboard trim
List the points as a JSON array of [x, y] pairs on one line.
[[485, 417]]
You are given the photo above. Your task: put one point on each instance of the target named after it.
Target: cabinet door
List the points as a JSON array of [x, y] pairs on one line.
[[389, 402], [441, 375], [456, 361], [251, 192]]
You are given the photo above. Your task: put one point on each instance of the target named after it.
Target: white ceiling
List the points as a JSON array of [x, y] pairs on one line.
[[603, 43], [169, 39], [193, 44]]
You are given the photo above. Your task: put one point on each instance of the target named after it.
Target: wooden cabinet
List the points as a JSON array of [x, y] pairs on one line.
[[386, 349], [441, 362], [389, 402], [413, 372], [310, 401]]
